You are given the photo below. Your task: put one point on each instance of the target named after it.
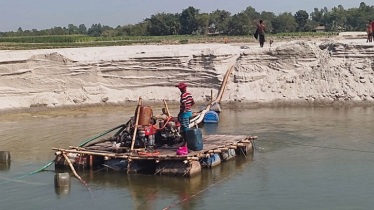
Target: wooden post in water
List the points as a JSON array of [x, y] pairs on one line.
[[136, 123]]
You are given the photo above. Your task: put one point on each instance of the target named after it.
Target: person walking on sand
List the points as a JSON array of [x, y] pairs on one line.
[[186, 102], [261, 33], [369, 31]]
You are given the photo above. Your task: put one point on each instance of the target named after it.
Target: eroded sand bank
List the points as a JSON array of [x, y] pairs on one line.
[[288, 73]]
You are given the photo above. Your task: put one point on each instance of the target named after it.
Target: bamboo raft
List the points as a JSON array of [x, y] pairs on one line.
[[217, 148], [161, 161]]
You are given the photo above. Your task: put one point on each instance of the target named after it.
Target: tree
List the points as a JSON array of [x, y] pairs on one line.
[[163, 24], [35, 32], [301, 18], [251, 13], [337, 18], [95, 30], [19, 31], [139, 29], [310, 25], [317, 15], [188, 20], [73, 29], [82, 29], [203, 23], [268, 17], [58, 31], [240, 24], [284, 22], [220, 19]]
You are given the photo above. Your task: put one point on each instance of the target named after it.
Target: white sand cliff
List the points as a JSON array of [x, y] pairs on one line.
[[288, 73]]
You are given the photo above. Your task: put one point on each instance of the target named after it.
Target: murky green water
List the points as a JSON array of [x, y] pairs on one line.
[[305, 158]]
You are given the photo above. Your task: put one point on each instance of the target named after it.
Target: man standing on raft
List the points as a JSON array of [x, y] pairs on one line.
[[186, 102]]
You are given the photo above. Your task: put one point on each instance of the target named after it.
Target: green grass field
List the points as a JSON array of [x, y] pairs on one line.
[[74, 41]]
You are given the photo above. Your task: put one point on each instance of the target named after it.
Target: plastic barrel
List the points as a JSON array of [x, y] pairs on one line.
[[62, 180], [211, 117], [4, 157], [194, 139]]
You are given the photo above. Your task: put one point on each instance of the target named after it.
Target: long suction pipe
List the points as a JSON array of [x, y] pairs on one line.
[[200, 117]]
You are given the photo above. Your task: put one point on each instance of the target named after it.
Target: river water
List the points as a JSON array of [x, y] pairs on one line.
[[305, 158]]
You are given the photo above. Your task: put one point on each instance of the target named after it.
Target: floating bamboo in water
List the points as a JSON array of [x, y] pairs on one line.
[[74, 172]]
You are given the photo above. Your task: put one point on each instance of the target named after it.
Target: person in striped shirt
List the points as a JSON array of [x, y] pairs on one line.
[[186, 102]]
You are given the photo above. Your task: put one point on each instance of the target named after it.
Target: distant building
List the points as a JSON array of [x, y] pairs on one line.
[[323, 29], [217, 33], [320, 29], [340, 29]]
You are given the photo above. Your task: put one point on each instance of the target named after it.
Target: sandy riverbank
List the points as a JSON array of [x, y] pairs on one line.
[[301, 73]]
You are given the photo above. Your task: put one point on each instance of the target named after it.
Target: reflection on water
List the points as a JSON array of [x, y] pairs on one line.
[[5, 166], [310, 158]]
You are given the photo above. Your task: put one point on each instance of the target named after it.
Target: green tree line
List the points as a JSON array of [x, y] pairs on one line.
[[192, 22]]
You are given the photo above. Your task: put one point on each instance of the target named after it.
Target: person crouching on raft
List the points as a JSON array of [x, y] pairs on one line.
[[186, 102]]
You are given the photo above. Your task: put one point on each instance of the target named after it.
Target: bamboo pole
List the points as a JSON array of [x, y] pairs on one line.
[[136, 123], [253, 138], [96, 150], [215, 151], [167, 109], [73, 170], [245, 141], [114, 155], [211, 96]]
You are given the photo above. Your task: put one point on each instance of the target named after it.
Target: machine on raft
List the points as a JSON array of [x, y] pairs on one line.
[[150, 131]]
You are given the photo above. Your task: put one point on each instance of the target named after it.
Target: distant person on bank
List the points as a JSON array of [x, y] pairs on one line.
[[186, 103], [261, 32], [372, 29], [369, 30]]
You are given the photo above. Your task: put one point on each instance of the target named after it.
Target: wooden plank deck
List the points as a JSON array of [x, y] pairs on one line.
[[211, 144], [216, 148]]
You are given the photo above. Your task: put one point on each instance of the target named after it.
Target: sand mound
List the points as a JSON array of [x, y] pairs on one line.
[[50, 57]]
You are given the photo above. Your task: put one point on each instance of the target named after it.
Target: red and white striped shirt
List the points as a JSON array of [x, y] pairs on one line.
[[186, 98]]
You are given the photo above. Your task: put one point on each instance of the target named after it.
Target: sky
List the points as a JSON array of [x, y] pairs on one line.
[[45, 14]]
